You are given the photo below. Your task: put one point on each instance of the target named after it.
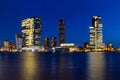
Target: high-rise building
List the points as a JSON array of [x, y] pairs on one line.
[[18, 38], [46, 43], [54, 44], [96, 37], [31, 32], [61, 31]]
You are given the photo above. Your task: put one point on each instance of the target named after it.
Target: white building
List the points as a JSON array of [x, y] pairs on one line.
[[96, 36]]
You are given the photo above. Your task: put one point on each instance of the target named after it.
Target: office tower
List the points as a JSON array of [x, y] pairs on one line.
[[31, 32], [61, 31], [54, 44], [18, 38], [96, 41], [6, 45], [46, 43]]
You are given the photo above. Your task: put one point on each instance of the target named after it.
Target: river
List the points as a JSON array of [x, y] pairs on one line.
[[60, 66]]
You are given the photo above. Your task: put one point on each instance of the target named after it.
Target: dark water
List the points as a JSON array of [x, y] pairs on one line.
[[64, 66]]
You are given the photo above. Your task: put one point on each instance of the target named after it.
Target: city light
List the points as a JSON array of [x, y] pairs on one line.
[[30, 39]]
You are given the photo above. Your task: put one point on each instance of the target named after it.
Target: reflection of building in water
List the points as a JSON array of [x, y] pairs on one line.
[[96, 66], [29, 66]]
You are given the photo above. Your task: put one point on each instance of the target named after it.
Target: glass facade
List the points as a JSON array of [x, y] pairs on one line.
[[31, 32], [96, 37]]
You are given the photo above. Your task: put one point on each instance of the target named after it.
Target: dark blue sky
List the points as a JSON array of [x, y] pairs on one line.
[[77, 15]]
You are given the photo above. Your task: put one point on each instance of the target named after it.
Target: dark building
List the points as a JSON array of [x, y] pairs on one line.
[[96, 20], [12, 47], [46, 43], [54, 44], [37, 31], [86, 45], [61, 31]]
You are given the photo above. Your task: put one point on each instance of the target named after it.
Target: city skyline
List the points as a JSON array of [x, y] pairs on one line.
[[77, 18]]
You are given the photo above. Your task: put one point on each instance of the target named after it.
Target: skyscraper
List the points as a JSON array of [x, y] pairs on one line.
[[31, 32], [96, 37], [61, 31]]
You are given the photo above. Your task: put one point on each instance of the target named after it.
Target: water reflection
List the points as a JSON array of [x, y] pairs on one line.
[[29, 66], [64, 68], [0, 67], [96, 66], [72, 67], [49, 66]]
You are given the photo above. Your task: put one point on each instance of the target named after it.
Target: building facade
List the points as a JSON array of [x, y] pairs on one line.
[[53, 42], [31, 32], [12, 47], [46, 43], [6, 46], [86, 45], [96, 36], [18, 38], [61, 31]]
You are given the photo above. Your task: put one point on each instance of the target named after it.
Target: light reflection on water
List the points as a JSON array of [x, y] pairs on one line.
[[96, 66], [59, 66], [29, 66]]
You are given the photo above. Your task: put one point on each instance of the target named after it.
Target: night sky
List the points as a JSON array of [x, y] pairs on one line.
[[77, 15]]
